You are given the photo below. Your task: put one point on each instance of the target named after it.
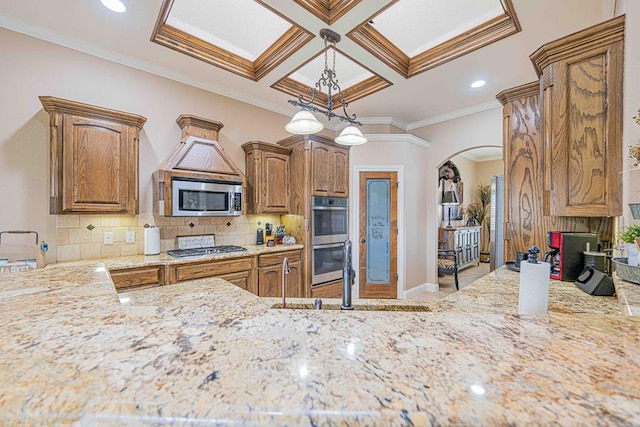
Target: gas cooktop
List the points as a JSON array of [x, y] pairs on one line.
[[211, 250]]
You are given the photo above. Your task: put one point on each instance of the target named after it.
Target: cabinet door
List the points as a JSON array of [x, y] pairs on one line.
[[581, 132], [98, 170], [340, 168], [275, 192], [270, 281], [241, 279], [321, 161]]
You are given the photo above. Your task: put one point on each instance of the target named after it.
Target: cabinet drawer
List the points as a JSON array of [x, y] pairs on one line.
[[328, 290], [275, 259], [128, 278], [210, 268]]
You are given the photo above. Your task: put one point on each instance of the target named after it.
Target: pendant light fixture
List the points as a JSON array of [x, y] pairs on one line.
[[305, 123]]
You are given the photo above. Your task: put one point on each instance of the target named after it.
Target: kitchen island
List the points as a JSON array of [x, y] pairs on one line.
[[207, 352]]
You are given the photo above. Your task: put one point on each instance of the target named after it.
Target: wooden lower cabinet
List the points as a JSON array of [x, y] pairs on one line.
[[239, 271], [128, 279], [270, 275], [327, 290], [261, 275], [242, 279]]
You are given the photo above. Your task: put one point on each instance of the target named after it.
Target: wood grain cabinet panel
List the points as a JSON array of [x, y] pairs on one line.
[[239, 270], [94, 158], [321, 170], [340, 169], [125, 279], [330, 170], [525, 221], [270, 275], [581, 82], [268, 178]]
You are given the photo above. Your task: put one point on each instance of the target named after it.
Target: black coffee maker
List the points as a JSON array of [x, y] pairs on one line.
[[566, 257]]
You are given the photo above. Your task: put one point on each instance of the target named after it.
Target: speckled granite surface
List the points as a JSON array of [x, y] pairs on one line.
[[206, 352]]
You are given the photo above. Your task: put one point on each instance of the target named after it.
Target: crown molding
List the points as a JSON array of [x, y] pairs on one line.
[[455, 114], [384, 121], [398, 137], [15, 24]]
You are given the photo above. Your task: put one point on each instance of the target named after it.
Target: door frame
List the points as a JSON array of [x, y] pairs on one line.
[[354, 222]]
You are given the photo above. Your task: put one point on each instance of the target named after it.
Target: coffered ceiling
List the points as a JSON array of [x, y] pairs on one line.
[[405, 62]]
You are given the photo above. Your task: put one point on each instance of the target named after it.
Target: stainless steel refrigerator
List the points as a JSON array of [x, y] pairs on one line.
[[497, 222]]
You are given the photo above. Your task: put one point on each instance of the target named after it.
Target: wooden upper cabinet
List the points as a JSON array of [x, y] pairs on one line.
[[94, 158], [268, 174], [581, 126], [340, 172], [321, 173], [330, 170]]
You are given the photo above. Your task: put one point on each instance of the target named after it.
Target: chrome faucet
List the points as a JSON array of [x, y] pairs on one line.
[[348, 276], [285, 270]]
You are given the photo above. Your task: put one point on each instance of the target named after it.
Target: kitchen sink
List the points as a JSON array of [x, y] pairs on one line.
[[361, 307]]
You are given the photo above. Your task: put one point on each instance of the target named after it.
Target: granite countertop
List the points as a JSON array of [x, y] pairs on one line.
[[207, 352]]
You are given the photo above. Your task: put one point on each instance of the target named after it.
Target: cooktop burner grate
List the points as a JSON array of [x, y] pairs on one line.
[[211, 250]]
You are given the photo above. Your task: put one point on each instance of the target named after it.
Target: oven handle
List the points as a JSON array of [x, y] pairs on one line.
[[329, 208], [331, 245]]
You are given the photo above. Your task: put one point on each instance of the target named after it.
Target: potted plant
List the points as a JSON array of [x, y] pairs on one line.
[[629, 236]]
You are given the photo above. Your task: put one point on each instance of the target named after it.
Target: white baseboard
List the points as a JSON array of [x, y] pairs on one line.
[[425, 287]]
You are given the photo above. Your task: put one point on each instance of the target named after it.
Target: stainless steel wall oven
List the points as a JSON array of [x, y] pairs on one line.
[[329, 231]]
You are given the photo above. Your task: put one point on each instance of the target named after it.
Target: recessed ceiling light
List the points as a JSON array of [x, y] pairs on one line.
[[478, 83], [115, 5]]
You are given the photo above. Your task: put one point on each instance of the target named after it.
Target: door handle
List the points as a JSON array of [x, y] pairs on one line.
[[362, 240]]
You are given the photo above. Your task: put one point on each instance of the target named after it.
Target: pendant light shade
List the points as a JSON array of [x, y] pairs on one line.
[[304, 123], [351, 135]]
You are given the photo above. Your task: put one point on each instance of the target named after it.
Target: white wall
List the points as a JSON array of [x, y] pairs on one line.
[[39, 68]]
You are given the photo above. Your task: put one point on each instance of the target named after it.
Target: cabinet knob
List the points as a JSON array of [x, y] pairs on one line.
[[362, 240]]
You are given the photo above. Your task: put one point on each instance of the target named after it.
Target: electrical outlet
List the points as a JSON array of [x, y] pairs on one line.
[[131, 237], [108, 238]]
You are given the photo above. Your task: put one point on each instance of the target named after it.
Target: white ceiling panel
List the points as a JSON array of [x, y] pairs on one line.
[[415, 26], [242, 27]]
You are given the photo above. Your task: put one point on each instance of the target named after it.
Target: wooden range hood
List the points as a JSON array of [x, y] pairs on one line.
[[199, 156]]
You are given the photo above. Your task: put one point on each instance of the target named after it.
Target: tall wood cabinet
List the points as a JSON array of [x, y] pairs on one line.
[[268, 177], [319, 167], [581, 100], [94, 158], [525, 222]]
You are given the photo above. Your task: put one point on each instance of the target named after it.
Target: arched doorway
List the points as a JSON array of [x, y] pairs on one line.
[[464, 191]]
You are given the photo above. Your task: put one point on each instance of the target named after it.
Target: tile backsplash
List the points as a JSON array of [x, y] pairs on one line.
[[82, 236]]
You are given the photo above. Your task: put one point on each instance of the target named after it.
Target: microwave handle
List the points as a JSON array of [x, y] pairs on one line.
[[232, 197]]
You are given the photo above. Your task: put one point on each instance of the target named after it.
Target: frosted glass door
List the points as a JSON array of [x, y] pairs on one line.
[[378, 230], [378, 226]]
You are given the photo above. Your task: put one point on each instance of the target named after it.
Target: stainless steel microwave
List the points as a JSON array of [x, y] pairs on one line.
[[205, 198]]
